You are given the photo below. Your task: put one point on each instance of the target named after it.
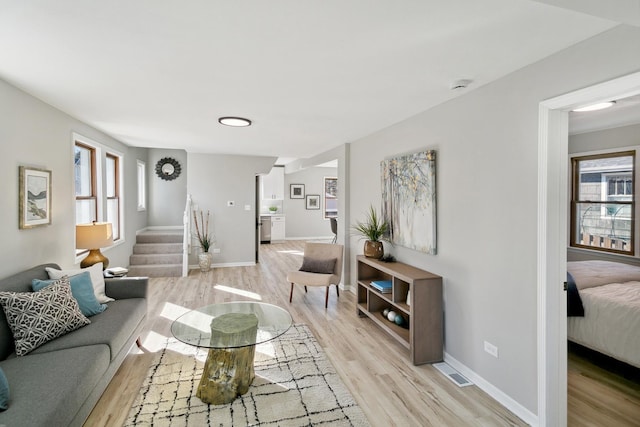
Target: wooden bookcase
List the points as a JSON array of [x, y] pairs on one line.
[[422, 333]]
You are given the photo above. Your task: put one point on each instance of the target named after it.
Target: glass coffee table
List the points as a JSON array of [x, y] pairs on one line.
[[231, 332]]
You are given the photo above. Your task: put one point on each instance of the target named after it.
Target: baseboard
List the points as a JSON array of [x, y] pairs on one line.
[[160, 228], [523, 413]]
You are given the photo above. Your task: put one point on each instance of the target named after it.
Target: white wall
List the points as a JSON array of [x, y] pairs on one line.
[[302, 223], [213, 180], [486, 144], [36, 134], [166, 198]]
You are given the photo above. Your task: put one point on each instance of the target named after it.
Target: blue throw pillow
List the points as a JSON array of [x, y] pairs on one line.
[[4, 391], [82, 291]]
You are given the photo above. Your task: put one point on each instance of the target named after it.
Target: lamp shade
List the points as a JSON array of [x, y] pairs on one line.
[[94, 236]]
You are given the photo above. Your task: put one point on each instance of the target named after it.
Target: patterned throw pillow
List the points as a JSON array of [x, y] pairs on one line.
[[38, 317]]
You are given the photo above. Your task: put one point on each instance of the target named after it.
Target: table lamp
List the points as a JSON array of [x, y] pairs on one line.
[[93, 237]]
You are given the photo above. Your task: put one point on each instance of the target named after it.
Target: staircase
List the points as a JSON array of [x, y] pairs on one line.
[[157, 254]]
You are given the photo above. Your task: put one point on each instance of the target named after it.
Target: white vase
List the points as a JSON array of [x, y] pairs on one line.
[[204, 261]]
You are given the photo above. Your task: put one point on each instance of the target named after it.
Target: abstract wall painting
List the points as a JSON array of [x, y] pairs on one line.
[[409, 200], [35, 197]]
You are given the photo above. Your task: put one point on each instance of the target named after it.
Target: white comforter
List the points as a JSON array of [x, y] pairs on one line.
[[611, 323]]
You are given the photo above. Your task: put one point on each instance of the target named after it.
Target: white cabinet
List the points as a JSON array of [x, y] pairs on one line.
[[277, 229], [273, 184]]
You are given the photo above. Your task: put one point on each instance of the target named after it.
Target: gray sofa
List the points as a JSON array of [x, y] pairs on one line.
[[59, 383]]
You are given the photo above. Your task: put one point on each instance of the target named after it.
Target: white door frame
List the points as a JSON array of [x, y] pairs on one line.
[[553, 179]]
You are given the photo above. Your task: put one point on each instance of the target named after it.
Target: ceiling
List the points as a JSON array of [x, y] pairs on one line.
[[311, 74], [624, 112]]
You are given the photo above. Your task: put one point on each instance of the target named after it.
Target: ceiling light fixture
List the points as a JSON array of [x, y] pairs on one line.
[[234, 121], [595, 107]]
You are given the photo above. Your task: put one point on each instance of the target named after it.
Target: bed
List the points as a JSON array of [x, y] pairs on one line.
[[609, 294]]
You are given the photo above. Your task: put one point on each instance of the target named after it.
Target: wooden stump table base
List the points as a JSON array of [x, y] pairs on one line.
[[228, 372]]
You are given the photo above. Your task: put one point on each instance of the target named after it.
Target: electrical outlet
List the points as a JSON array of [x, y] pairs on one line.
[[216, 250], [491, 349], [231, 203], [247, 207]]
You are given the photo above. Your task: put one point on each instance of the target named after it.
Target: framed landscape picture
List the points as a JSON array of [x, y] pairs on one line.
[[313, 201], [35, 197]]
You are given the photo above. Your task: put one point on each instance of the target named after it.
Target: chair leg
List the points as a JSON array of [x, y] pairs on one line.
[[305, 289], [338, 290], [291, 294], [326, 298]]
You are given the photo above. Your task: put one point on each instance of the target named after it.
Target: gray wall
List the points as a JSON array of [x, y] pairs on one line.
[[625, 136], [486, 143], [35, 134], [166, 198], [213, 180], [302, 223]]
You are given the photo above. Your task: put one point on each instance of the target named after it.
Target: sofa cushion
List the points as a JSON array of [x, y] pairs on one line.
[[19, 282], [4, 391], [82, 291], [48, 389], [38, 317], [97, 279], [113, 327]]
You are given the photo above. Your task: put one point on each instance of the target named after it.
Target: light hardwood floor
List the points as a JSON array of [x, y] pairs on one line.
[[601, 397], [376, 369]]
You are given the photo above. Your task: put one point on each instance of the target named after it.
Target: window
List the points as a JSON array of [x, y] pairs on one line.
[[113, 193], [85, 180], [603, 203], [98, 194], [330, 197], [142, 185]]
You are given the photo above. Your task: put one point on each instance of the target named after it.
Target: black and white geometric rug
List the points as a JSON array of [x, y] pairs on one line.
[[295, 385]]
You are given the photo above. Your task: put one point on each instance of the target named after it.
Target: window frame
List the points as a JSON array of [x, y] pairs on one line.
[[117, 231], [141, 169], [92, 177], [99, 173], [326, 184], [575, 201]]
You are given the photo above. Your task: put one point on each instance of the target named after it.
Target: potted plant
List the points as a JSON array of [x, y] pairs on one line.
[[205, 240], [374, 229]]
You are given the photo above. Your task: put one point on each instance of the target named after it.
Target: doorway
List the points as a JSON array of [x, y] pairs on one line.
[[552, 240]]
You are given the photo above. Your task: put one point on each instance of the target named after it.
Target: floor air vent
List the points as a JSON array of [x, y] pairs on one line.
[[452, 374]]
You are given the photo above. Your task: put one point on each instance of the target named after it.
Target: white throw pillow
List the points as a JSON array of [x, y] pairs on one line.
[[97, 279]]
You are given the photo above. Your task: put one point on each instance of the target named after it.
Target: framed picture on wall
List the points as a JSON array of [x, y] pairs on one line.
[[35, 197], [313, 202], [296, 191]]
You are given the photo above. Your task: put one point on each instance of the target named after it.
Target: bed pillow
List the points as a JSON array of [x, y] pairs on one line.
[[97, 279], [82, 291], [323, 266], [574, 302], [36, 318]]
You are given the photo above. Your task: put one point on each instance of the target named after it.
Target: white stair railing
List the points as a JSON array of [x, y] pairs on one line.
[[186, 238]]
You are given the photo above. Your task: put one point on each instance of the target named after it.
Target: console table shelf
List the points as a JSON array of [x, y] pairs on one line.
[[422, 334]]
